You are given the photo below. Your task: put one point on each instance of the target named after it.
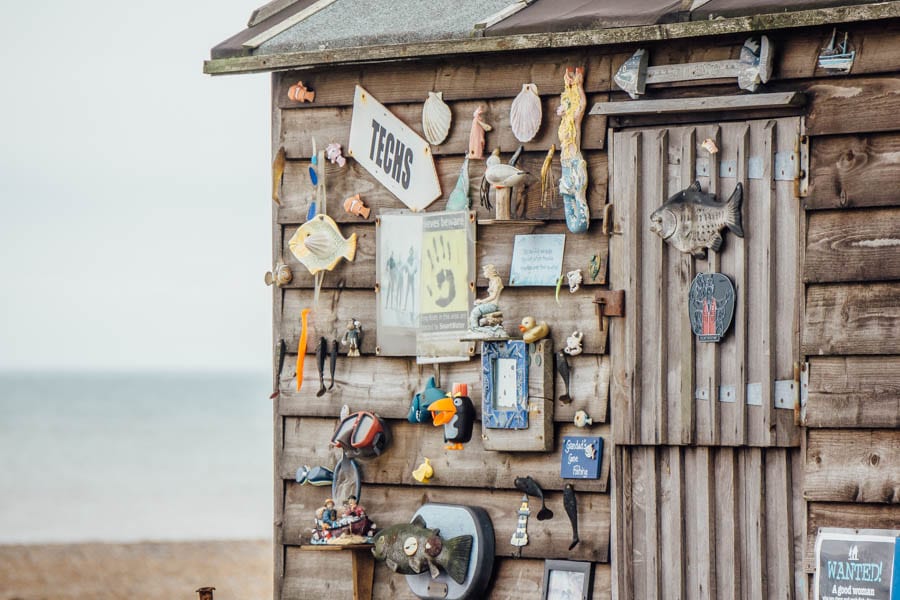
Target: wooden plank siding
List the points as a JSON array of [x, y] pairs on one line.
[[856, 318], [853, 245], [854, 171], [854, 391]]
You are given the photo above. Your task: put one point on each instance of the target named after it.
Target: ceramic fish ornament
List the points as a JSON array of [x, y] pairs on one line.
[[319, 245], [411, 548], [571, 506], [562, 366], [321, 352], [692, 220], [436, 118], [278, 174], [525, 114], [459, 197], [527, 485], [582, 419]]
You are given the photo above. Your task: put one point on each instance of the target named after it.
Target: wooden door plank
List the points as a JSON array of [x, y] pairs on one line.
[[854, 391], [854, 171], [853, 465], [852, 319], [306, 443], [672, 510], [753, 514], [853, 245], [623, 523], [779, 524], [728, 531], [700, 541], [685, 334]]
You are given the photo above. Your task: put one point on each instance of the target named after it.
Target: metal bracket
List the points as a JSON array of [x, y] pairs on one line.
[[610, 303], [804, 390], [785, 392], [804, 160], [607, 220]]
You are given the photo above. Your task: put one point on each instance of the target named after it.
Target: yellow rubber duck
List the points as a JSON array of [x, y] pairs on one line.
[[533, 331], [423, 472]]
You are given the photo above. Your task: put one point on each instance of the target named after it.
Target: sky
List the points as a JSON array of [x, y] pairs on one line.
[[134, 203]]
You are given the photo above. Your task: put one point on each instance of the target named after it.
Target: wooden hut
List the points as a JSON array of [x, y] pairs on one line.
[[721, 460]]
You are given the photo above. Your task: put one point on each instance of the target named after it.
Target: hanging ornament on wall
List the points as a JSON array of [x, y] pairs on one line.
[[525, 114], [711, 306], [319, 245], [436, 118]]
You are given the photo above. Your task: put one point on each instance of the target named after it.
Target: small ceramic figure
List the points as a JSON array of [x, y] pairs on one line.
[[436, 117], [352, 525], [692, 220], [476, 136], [457, 415], [525, 114], [418, 408], [355, 206], [333, 154], [501, 177], [412, 548], [574, 279], [486, 318], [299, 93], [327, 514], [533, 331], [319, 245], [573, 183], [424, 472], [573, 344], [528, 485], [280, 275], [520, 535], [582, 419], [352, 337], [459, 197]]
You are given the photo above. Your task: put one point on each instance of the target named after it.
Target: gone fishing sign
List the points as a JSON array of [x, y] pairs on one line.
[[857, 564], [392, 152]]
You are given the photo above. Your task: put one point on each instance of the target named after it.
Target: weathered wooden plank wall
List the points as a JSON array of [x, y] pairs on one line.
[[385, 384], [851, 320]]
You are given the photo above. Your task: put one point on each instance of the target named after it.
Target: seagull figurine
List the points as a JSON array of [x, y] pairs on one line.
[[500, 176]]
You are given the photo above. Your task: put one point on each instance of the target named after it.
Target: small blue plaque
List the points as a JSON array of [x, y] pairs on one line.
[[581, 456]]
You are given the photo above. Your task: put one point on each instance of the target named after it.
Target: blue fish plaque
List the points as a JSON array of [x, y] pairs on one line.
[[581, 457]]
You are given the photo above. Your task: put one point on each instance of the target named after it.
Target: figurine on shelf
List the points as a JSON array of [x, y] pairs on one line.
[[501, 177], [334, 155], [327, 515], [533, 331], [457, 415], [574, 279], [486, 318], [573, 343], [476, 136], [353, 526], [353, 337], [573, 183]]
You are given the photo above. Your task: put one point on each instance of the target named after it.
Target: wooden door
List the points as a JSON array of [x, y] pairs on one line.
[[667, 388]]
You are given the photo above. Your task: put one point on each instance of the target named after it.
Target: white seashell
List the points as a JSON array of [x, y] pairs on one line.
[[436, 118], [525, 114]]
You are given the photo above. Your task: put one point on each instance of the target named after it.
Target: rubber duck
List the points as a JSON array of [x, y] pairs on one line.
[[457, 415], [424, 472], [533, 331], [500, 175]]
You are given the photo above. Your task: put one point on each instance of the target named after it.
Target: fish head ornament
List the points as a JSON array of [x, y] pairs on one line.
[[663, 222]]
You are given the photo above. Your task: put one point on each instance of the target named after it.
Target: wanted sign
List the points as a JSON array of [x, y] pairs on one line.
[[856, 564]]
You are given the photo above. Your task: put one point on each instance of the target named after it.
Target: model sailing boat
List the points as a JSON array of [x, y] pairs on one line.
[[835, 57]]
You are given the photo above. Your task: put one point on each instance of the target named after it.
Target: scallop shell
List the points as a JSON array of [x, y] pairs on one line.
[[436, 118], [525, 114]]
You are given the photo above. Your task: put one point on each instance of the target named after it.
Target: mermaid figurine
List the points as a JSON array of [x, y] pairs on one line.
[[573, 183]]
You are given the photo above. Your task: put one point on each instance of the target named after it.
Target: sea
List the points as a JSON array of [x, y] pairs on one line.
[[135, 457]]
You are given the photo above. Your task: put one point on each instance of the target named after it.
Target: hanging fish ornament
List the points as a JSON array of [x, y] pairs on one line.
[[319, 245], [692, 220], [525, 114], [436, 118], [571, 505]]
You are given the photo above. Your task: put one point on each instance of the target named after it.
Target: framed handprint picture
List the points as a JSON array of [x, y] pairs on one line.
[[425, 274]]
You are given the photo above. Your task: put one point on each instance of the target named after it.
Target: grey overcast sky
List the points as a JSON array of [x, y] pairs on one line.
[[134, 202]]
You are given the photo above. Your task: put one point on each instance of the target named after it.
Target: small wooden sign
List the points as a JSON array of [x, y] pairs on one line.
[[392, 152], [711, 306], [856, 563], [581, 456]]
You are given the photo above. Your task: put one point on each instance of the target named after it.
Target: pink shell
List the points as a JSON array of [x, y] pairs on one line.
[[525, 114]]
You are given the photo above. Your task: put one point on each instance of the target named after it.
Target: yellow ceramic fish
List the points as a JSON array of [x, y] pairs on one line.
[[319, 245]]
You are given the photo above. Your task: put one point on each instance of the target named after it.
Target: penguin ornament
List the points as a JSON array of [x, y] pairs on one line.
[[457, 415]]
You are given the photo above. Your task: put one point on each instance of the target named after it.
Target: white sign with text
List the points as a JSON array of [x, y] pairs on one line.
[[392, 152]]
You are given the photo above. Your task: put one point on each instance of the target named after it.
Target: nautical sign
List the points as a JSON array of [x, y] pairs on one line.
[[856, 564], [537, 259], [581, 457], [711, 309], [392, 152]]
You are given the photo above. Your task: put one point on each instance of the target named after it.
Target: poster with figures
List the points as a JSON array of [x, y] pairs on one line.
[[425, 264]]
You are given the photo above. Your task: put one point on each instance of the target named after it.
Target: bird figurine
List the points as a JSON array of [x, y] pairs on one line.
[[457, 415], [424, 472], [533, 331], [499, 176]]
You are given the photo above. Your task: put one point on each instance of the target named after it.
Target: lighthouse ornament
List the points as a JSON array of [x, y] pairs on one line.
[[711, 306]]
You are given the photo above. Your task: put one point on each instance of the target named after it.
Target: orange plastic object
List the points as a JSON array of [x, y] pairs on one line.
[[355, 206], [299, 93], [301, 347]]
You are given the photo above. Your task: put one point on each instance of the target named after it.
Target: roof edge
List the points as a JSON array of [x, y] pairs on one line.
[[571, 39]]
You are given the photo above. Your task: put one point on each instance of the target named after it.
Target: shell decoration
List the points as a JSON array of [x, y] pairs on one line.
[[436, 118], [525, 114]]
